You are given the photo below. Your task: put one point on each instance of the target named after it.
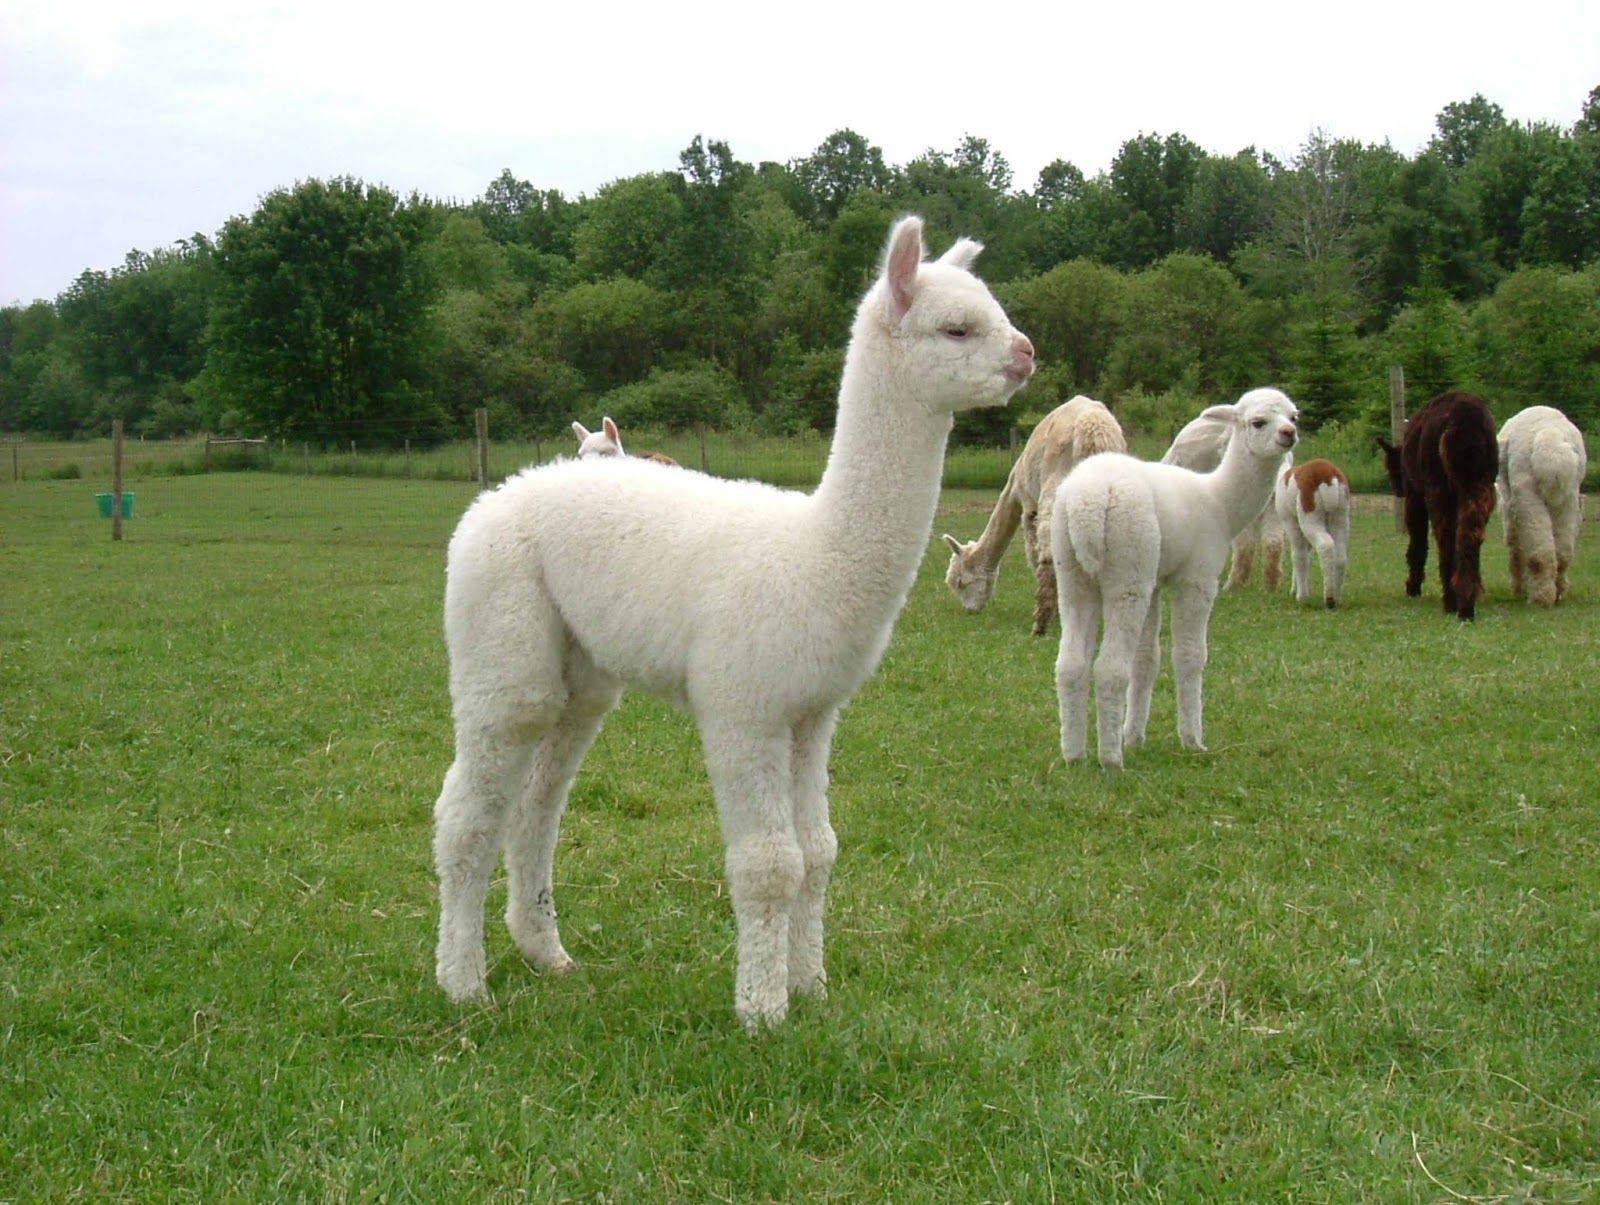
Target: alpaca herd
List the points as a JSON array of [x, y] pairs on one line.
[[762, 611]]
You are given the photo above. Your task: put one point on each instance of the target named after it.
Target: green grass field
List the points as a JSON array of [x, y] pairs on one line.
[[1350, 953]]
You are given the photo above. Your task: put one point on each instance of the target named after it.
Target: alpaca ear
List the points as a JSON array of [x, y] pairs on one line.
[[963, 253], [610, 428], [955, 544], [1383, 443], [1227, 414], [580, 431], [900, 262]]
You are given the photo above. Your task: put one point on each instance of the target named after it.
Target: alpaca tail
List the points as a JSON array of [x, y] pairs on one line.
[[1471, 456], [1096, 431], [1333, 497], [1101, 508]]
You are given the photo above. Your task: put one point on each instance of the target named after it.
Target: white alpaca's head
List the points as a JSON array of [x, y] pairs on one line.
[[944, 335], [972, 584], [604, 442], [1264, 422]]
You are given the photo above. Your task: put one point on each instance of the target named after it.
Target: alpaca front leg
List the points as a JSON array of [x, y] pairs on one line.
[[534, 826], [1244, 556], [1142, 686], [752, 778], [813, 739], [1191, 616]]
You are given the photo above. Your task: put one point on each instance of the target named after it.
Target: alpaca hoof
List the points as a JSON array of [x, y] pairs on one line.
[[1332, 603], [1107, 762], [544, 952], [756, 1018], [463, 984], [814, 987]]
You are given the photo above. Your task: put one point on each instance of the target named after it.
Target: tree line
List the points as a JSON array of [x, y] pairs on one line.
[[720, 294]]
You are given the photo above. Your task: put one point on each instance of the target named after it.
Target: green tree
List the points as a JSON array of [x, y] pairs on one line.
[[1538, 337], [1561, 217], [631, 227], [844, 164], [1152, 178], [1431, 339], [1229, 204], [612, 331], [1073, 315], [320, 322], [1189, 326], [1463, 128]]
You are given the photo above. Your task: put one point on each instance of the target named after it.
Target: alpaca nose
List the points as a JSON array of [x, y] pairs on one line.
[[1022, 346], [1022, 357]]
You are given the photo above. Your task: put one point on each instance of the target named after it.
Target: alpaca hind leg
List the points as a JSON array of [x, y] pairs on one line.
[[1272, 560], [752, 778], [1145, 664], [1124, 619], [1244, 556], [469, 822], [506, 690], [1538, 541], [1511, 517], [1044, 597], [1191, 616], [1300, 554], [535, 824], [1444, 535], [1080, 624], [813, 740], [1416, 543], [1566, 523], [1336, 558]]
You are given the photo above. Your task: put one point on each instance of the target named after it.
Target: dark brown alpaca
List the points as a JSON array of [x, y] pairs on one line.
[[1445, 468]]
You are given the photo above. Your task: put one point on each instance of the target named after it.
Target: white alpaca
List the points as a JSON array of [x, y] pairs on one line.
[[1071, 432], [1125, 528], [760, 610], [605, 442], [608, 442], [1540, 483], [1199, 446], [1312, 502]]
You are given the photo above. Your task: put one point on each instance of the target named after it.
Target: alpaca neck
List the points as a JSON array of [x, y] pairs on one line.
[[1001, 527], [1241, 485], [872, 513]]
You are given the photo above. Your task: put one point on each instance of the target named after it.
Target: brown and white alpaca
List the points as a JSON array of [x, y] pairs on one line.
[[1070, 433], [1312, 501], [608, 442]]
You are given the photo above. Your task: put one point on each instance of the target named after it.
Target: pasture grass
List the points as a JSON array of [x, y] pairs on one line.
[[1350, 953]]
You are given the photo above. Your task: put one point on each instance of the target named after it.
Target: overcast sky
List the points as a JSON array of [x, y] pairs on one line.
[[131, 125]]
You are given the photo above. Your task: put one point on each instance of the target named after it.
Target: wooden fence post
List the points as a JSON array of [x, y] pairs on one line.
[[116, 479], [705, 464], [208, 453], [16, 470], [1397, 429], [480, 417]]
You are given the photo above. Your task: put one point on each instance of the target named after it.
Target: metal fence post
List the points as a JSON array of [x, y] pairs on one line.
[[116, 479], [481, 418]]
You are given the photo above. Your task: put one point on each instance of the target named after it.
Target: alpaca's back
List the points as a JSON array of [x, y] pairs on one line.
[[1068, 435], [598, 537]]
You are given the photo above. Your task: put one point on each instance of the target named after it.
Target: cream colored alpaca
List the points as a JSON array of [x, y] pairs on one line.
[[761, 611], [1540, 483], [1071, 432]]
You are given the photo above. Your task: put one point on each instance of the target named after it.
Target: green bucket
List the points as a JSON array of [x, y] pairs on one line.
[[103, 501]]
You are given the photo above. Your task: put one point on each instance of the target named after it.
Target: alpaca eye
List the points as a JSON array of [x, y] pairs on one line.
[[1260, 422], [956, 332]]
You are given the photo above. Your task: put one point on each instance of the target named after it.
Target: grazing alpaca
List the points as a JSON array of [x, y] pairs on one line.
[[1445, 468], [760, 610], [1540, 484], [608, 442], [1125, 528], [1199, 446], [1312, 502], [1071, 432]]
